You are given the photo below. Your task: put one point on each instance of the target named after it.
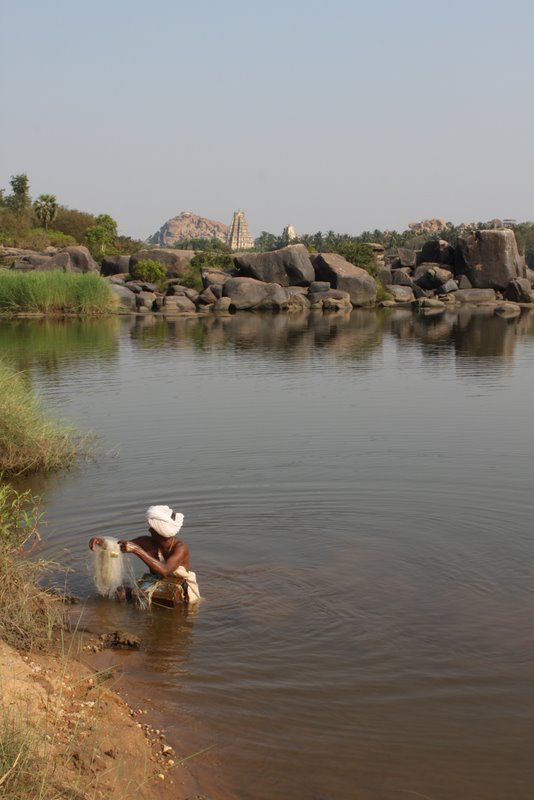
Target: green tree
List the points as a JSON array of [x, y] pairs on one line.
[[45, 208], [102, 236], [19, 200]]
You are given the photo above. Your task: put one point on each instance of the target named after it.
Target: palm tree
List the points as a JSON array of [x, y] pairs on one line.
[[45, 208]]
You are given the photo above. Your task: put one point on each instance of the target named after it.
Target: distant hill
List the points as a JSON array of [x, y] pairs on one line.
[[188, 226]]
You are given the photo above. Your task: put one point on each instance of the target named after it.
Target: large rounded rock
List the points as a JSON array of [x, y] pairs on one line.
[[490, 258], [126, 298], [289, 266], [250, 294], [176, 262], [401, 294], [76, 259], [439, 251], [212, 276], [341, 274]]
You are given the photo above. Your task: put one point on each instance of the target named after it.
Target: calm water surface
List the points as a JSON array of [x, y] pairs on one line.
[[358, 500]]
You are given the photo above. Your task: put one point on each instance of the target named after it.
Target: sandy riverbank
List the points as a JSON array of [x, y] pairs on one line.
[[81, 736]]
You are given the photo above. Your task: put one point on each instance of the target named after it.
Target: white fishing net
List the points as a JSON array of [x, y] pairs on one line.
[[107, 566]]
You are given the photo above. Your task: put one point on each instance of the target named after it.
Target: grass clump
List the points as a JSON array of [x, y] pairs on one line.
[[55, 292], [29, 440], [28, 615]]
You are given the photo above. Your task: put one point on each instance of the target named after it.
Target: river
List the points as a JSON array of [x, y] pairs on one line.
[[358, 500]]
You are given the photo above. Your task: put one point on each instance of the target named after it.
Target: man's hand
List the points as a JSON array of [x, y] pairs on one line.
[[126, 546], [96, 540]]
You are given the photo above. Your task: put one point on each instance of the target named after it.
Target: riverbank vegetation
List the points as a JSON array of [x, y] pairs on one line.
[[28, 615], [30, 441], [55, 292]]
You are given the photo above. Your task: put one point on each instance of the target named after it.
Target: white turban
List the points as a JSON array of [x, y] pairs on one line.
[[164, 520]]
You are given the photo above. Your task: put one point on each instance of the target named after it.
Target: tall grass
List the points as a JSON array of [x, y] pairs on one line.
[[28, 616], [55, 292], [30, 441]]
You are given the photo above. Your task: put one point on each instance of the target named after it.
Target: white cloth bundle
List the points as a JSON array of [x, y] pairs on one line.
[[193, 592], [107, 567], [164, 520]]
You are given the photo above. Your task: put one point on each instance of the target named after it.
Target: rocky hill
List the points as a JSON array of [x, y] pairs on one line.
[[188, 226]]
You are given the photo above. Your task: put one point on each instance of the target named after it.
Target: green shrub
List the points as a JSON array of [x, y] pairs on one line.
[[55, 292], [151, 271], [30, 441]]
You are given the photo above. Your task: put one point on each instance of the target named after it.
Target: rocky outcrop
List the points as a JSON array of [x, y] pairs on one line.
[[341, 274], [490, 258], [289, 266], [188, 226], [70, 259], [115, 265], [251, 294], [176, 262]]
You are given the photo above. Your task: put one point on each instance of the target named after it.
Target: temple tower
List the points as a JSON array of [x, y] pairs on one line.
[[239, 237]]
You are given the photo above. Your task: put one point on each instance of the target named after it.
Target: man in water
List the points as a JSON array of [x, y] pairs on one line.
[[166, 557]]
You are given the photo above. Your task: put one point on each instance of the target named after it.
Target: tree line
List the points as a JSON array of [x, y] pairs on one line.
[[37, 224]]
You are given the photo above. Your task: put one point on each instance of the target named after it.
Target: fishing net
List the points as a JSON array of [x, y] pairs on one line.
[[107, 566]]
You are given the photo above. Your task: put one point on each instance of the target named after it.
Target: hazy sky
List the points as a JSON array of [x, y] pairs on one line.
[[338, 115]]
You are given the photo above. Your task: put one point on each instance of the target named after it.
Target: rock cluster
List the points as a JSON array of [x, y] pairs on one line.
[[485, 267], [69, 259], [282, 280]]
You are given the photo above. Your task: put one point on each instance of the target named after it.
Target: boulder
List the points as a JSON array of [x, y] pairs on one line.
[[177, 288], [332, 299], [341, 274], [439, 251], [407, 257], [289, 266], [464, 282], [297, 302], [530, 275], [125, 296], [448, 287], [207, 297], [401, 277], [431, 276], [249, 294], [223, 307], [319, 286], [385, 275], [490, 258], [519, 291], [76, 259], [476, 296], [115, 265], [178, 304], [145, 300], [176, 262], [213, 276], [401, 294], [430, 302]]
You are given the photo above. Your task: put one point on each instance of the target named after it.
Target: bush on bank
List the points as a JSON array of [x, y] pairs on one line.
[[29, 440], [55, 292]]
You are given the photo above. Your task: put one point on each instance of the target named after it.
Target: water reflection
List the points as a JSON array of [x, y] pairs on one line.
[[48, 344]]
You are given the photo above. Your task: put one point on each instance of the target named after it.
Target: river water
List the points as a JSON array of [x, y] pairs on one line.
[[358, 502]]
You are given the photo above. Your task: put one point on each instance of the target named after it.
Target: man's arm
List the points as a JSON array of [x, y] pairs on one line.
[[163, 568]]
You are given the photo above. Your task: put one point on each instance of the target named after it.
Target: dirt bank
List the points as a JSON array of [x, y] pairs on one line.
[[80, 737]]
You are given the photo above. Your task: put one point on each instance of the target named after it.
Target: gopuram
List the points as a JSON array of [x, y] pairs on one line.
[[238, 237]]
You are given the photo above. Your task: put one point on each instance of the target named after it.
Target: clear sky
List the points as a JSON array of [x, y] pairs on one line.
[[338, 115]]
